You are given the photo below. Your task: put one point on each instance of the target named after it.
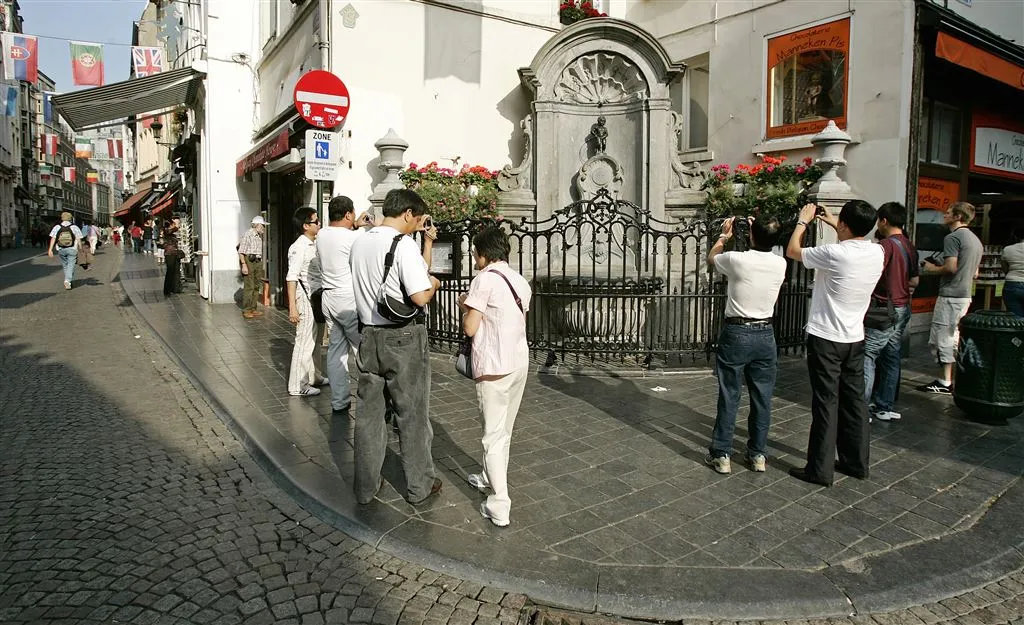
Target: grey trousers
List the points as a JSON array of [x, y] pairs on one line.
[[394, 359]]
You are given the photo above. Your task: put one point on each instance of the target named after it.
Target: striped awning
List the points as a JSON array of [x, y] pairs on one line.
[[130, 203], [166, 201], [118, 100]]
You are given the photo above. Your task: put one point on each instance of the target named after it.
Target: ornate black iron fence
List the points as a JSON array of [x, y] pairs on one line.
[[610, 283]]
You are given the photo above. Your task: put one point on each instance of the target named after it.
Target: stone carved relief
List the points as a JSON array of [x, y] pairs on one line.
[[515, 178], [601, 78], [599, 172], [691, 177]]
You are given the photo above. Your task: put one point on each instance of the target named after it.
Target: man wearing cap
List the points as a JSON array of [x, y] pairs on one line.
[[250, 257]]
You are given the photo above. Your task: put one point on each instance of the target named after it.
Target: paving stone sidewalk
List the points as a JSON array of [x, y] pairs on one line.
[[607, 476], [124, 498]]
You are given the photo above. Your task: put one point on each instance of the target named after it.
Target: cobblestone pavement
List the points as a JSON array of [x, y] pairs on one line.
[[124, 499]]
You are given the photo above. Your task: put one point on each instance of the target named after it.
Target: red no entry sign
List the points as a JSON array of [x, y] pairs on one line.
[[322, 99]]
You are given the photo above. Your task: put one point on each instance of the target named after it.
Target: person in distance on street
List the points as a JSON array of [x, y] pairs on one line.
[[746, 346], [250, 259], [845, 275], [64, 237]]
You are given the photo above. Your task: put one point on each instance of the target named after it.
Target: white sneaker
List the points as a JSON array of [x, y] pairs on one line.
[[487, 515], [720, 465], [888, 415], [67, 285], [757, 463], [477, 481], [324, 381], [308, 391]]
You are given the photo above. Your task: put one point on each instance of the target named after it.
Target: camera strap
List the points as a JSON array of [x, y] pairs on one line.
[[389, 260]]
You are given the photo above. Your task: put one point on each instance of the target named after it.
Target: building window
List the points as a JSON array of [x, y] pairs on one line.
[[808, 74], [690, 95], [940, 133], [268, 20]]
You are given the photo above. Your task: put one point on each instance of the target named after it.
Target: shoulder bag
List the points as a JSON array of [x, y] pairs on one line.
[[881, 315], [316, 302], [464, 357], [399, 311]]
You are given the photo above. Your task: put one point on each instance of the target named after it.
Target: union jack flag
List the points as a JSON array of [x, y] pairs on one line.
[[147, 61]]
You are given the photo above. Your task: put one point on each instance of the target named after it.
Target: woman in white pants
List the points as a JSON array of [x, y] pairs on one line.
[[495, 316], [303, 378]]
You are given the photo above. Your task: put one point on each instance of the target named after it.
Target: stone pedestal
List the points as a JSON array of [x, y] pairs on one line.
[[830, 190], [392, 149]]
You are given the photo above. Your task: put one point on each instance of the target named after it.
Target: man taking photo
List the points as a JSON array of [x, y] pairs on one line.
[[746, 346], [845, 275]]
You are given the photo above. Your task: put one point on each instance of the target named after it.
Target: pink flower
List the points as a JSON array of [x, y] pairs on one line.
[[800, 169], [771, 168]]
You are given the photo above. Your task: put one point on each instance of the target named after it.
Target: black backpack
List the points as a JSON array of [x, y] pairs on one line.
[[65, 237]]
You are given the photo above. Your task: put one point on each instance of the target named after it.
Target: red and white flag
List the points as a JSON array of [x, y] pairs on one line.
[[50, 143], [147, 61], [69, 174], [115, 148]]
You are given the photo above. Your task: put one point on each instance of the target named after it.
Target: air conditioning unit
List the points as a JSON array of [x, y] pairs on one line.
[[289, 160]]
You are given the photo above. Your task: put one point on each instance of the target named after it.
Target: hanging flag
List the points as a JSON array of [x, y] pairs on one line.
[[86, 63], [50, 143], [48, 107], [147, 61], [69, 174], [11, 101], [83, 147], [119, 176], [45, 171], [92, 177], [20, 59], [115, 148]]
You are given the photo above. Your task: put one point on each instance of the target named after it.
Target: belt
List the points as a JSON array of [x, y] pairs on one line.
[[416, 321], [252, 258], [746, 321]]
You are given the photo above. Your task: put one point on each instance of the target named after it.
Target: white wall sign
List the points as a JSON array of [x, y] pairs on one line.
[[999, 149], [323, 152]]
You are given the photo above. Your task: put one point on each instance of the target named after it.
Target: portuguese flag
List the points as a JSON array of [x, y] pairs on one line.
[[86, 63]]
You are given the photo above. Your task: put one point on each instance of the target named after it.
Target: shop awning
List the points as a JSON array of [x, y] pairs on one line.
[[118, 100], [166, 201], [974, 58], [130, 203]]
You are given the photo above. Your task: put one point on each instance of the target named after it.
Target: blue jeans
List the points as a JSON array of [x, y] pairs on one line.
[[885, 358], [68, 259], [1013, 297], [744, 353]]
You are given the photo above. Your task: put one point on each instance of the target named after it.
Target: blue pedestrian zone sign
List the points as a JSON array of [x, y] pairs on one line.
[[323, 153]]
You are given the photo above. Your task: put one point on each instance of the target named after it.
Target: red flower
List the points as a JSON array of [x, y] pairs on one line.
[[808, 160]]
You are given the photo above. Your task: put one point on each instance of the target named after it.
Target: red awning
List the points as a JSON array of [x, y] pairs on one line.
[[130, 203], [974, 58], [257, 157], [165, 202]]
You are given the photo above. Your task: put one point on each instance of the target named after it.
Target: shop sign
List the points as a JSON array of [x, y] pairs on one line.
[[263, 153], [997, 146], [323, 151], [936, 194]]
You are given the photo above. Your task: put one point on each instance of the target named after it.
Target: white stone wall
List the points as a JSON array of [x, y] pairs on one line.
[[227, 124], [444, 79], [735, 34]]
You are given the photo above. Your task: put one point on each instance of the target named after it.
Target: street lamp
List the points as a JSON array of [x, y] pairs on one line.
[[157, 127]]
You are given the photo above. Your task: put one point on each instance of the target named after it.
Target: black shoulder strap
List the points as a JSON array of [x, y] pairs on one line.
[[515, 295], [906, 254], [389, 258]]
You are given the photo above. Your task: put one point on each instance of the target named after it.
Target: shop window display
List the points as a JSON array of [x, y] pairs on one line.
[[807, 79]]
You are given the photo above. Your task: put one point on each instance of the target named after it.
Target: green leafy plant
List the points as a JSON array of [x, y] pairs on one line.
[[770, 188], [469, 193]]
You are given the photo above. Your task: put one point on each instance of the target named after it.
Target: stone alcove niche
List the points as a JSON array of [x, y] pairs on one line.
[[602, 67]]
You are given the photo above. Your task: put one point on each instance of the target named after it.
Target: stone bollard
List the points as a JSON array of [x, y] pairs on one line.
[[392, 150]]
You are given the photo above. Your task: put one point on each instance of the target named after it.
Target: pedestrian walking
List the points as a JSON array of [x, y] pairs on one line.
[[845, 276], [333, 248], [84, 248], [137, 233], [393, 349], [93, 237], [148, 244], [250, 258], [116, 237], [883, 332], [303, 377], [957, 268], [1013, 265], [65, 237], [746, 346], [172, 277], [494, 314]]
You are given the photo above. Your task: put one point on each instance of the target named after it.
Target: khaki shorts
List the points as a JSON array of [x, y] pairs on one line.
[[945, 330]]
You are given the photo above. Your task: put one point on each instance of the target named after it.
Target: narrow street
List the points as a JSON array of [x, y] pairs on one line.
[[124, 499]]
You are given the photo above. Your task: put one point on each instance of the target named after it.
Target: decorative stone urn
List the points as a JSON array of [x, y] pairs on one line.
[[392, 150]]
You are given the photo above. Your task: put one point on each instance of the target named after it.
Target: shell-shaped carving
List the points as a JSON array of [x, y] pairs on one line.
[[601, 78]]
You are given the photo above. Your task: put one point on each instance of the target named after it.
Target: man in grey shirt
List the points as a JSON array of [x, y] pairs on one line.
[[961, 252]]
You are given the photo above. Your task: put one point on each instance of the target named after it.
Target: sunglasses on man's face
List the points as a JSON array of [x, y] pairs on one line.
[[315, 221]]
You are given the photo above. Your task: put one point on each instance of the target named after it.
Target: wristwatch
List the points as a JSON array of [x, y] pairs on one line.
[[801, 223]]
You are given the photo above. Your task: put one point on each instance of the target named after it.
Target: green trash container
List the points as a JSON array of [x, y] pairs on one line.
[[990, 366]]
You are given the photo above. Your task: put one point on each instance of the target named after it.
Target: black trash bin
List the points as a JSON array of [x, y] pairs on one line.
[[990, 366]]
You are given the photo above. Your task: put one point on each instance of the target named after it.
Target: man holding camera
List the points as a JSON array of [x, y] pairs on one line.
[[961, 257], [392, 356], [845, 275], [746, 346]]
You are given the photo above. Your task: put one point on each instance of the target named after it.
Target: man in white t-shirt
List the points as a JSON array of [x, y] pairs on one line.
[[393, 356], [746, 346], [845, 275], [333, 245]]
